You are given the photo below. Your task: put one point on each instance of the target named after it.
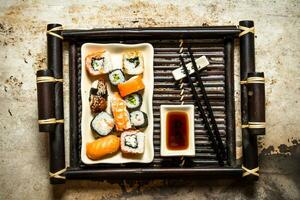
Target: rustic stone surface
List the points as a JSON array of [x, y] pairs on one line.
[[24, 155]]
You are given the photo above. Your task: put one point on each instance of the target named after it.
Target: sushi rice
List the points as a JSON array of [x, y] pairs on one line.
[[99, 88], [116, 76], [132, 142], [133, 101], [139, 119], [103, 123], [133, 63], [102, 63]]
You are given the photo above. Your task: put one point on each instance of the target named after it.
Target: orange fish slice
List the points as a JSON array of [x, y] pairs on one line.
[[121, 115], [134, 84], [102, 147]]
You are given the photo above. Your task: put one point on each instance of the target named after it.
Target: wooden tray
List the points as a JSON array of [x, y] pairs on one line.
[[216, 43]]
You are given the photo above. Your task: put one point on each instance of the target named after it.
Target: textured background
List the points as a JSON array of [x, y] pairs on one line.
[[24, 161]]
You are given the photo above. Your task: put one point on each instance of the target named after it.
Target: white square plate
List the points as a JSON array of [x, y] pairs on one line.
[[190, 150], [116, 51]]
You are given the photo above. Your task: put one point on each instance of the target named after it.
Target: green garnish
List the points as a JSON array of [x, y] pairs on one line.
[[134, 60], [96, 63], [132, 100], [116, 77]]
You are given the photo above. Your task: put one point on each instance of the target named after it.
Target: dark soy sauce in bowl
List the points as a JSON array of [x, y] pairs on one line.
[[177, 130]]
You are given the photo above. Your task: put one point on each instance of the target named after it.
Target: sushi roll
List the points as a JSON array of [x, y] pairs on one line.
[[132, 142], [116, 76], [120, 113], [133, 101], [98, 63], [98, 96], [133, 62], [103, 123], [99, 88], [97, 104], [139, 119], [130, 86]]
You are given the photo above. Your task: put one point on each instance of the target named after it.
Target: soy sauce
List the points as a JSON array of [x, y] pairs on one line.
[[177, 130]]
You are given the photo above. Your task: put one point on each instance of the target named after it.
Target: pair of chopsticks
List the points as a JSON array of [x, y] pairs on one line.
[[213, 131]]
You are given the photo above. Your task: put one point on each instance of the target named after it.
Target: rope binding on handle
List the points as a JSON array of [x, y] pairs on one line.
[[181, 92], [181, 80], [254, 125], [48, 79], [248, 172], [51, 121], [58, 174], [252, 80], [51, 32], [246, 30]]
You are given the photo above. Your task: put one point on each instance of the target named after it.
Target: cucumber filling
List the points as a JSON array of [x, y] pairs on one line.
[[132, 100], [97, 63], [116, 77]]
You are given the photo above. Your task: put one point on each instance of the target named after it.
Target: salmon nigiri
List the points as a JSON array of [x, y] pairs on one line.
[[102, 147], [134, 84], [121, 115]]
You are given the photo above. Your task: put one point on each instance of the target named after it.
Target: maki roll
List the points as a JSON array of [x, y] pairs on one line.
[[103, 123], [98, 63], [132, 142], [133, 62], [116, 76], [98, 95], [139, 119], [133, 101], [99, 88]]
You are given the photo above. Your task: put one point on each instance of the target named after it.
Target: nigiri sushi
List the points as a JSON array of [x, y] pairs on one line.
[[133, 62], [120, 113], [134, 84], [98, 63], [103, 146], [132, 142]]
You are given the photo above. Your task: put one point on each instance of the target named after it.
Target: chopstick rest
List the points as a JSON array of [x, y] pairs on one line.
[[179, 72]]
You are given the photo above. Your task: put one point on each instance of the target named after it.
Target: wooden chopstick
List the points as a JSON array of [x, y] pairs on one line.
[[208, 106], [202, 112]]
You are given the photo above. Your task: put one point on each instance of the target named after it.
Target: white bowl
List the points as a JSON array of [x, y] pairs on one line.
[[190, 150]]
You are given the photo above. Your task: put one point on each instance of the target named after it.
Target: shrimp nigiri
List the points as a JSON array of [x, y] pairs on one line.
[[121, 115]]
